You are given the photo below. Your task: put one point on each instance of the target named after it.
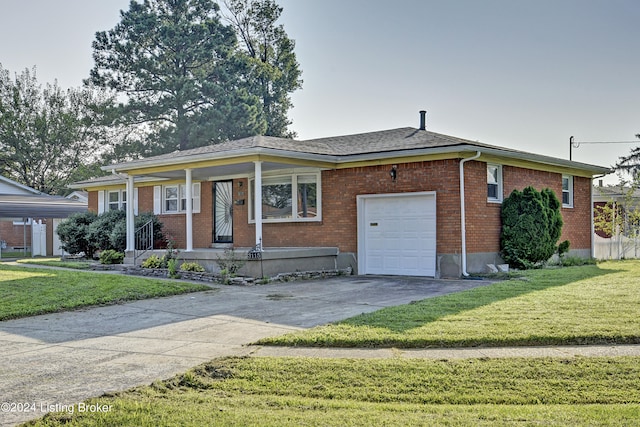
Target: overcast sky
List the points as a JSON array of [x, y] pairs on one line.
[[520, 74]]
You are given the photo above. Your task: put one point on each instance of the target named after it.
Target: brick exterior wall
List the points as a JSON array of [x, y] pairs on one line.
[[174, 224], [339, 214], [14, 235], [338, 227], [483, 217]]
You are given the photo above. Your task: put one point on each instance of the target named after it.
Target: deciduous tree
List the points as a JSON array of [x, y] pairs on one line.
[[47, 133]]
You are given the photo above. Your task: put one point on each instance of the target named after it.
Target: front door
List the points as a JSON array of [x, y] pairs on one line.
[[223, 212]]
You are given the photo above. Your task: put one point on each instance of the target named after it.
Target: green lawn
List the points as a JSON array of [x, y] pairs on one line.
[[391, 392], [582, 304], [28, 291], [573, 305]]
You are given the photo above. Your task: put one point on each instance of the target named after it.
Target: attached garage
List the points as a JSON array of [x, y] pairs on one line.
[[397, 234]]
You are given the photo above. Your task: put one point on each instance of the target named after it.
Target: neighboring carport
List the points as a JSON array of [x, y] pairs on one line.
[[32, 212]]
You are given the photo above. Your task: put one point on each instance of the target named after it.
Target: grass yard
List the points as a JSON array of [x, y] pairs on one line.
[[391, 392], [569, 305], [573, 305], [30, 291]]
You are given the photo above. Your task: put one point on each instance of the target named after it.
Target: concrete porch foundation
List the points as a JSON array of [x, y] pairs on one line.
[[273, 262]]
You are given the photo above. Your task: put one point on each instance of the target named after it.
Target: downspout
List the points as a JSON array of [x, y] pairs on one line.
[[593, 228], [463, 218]]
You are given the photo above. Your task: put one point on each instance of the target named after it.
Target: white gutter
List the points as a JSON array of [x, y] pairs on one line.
[[463, 218], [593, 227]]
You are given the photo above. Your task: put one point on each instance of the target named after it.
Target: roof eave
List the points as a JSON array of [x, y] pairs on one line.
[[327, 159], [546, 160], [231, 154]]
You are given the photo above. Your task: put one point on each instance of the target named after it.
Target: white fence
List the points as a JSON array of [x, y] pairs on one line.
[[617, 247]]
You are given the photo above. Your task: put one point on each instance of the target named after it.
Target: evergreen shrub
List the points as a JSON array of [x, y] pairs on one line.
[[531, 227]]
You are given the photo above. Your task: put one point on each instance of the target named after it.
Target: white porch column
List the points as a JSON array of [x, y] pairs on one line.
[[257, 201], [189, 214], [130, 221]]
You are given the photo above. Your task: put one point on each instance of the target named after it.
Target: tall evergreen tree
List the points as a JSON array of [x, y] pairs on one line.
[[269, 52], [177, 65]]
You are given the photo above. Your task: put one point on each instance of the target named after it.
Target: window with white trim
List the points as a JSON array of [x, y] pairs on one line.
[[494, 183], [171, 198], [567, 191], [292, 197], [117, 200], [174, 198]]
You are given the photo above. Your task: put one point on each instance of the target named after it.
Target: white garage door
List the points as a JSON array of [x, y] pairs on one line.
[[397, 234]]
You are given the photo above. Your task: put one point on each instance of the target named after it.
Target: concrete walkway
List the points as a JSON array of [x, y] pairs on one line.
[[451, 353], [65, 358]]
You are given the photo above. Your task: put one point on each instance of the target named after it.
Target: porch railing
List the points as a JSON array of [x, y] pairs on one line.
[[143, 240]]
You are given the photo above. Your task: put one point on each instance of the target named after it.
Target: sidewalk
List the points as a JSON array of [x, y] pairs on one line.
[[449, 353]]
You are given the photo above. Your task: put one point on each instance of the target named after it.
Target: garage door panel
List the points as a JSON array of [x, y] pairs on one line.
[[398, 234]]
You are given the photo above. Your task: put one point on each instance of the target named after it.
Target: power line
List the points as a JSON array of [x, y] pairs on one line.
[[575, 144], [578, 143]]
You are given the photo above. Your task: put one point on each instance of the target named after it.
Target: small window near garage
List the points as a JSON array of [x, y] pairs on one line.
[[494, 183], [567, 191]]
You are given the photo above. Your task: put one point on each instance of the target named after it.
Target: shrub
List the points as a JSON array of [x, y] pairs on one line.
[[73, 233], [111, 257], [118, 236], [154, 262], [100, 230], [86, 232], [531, 227], [172, 265], [192, 266], [230, 262], [563, 248]]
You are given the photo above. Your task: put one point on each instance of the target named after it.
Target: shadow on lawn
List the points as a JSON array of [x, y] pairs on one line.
[[402, 318]]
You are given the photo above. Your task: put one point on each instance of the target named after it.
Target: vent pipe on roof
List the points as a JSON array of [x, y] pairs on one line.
[[423, 120]]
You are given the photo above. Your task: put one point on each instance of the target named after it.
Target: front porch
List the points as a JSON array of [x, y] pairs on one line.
[[273, 261]]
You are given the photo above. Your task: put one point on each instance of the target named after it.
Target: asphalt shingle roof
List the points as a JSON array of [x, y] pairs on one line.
[[339, 148], [371, 142]]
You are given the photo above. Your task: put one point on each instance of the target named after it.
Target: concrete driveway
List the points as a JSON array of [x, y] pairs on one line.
[[64, 358]]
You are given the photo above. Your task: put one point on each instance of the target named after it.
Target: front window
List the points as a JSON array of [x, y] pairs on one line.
[[294, 197], [175, 198], [494, 183], [171, 198], [277, 199], [567, 191], [307, 196], [117, 200]]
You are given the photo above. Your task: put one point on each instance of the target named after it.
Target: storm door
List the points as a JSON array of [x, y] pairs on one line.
[[223, 212]]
